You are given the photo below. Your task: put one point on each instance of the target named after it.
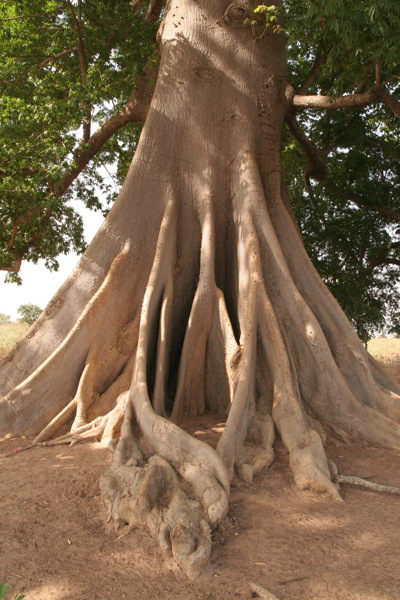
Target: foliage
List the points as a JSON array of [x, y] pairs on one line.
[[4, 318], [29, 313], [267, 17], [349, 215], [65, 68], [4, 590]]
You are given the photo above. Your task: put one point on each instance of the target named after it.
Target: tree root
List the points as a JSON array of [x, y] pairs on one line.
[[369, 485], [104, 428], [152, 494]]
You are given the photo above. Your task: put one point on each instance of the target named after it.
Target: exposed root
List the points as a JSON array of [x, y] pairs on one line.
[[56, 423], [103, 429], [151, 494], [84, 393], [369, 485], [258, 453]]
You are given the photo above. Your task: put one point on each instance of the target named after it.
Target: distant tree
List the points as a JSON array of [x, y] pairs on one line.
[[4, 318], [29, 313]]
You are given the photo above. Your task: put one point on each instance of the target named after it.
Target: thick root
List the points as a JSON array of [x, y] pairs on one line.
[[104, 429], [151, 494]]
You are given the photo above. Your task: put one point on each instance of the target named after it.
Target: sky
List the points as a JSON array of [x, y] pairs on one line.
[[38, 283]]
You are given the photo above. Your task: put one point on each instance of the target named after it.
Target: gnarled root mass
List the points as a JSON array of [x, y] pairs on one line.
[[267, 362], [252, 345]]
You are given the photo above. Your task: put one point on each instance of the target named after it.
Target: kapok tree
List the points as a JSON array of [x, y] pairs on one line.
[[197, 296]]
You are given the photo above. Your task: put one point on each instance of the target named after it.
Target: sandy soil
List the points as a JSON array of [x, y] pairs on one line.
[[54, 545]]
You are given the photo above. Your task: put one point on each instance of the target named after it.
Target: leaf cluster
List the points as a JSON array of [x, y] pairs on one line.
[[349, 218], [64, 69]]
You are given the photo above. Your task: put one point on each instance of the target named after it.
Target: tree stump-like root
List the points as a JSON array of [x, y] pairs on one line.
[[177, 502]]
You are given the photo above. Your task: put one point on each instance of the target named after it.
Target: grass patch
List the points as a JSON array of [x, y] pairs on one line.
[[10, 335], [387, 352]]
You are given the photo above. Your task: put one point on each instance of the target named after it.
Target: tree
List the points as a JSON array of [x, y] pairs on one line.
[[351, 231], [29, 313], [197, 293], [4, 318], [65, 68]]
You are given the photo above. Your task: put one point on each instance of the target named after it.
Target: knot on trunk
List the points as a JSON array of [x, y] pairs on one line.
[[234, 15]]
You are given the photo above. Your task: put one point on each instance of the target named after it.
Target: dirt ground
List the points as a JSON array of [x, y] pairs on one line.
[[54, 545]]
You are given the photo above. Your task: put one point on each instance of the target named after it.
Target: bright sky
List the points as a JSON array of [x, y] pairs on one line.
[[38, 283]]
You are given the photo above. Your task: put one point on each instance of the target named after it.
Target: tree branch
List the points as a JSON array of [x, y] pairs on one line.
[[135, 110], [389, 100], [375, 94], [382, 210], [83, 68], [328, 103], [46, 12], [316, 159], [154, 9], [383, 259], [56, 57], [312, 75]]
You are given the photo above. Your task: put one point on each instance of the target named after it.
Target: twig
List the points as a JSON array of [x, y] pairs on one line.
[[19, 450], [262, 592], [284, 582]]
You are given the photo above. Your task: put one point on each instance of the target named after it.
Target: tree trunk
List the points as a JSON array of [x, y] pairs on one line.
[[197, 295]]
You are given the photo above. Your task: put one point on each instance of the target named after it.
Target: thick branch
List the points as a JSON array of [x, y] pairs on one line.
[[389, 100], [56, 57], [135, 110], [375, 94], [31, 243], [328, 103], [14, 268], [316, 158], [154, 9], [382, 210], [383, 259]]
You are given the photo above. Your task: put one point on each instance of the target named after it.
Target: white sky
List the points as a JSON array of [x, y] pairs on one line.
[[38, 283]]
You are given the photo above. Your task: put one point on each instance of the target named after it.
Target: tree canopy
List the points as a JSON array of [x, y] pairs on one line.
[[68, 77], [76, 79], [29, 313]]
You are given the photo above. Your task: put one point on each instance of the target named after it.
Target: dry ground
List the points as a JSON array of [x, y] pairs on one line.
[[54, 546]]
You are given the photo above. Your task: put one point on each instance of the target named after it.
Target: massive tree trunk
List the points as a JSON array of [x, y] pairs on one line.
[[197, 296]]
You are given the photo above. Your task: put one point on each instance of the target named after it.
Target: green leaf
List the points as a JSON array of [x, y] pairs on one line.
[[3, 589]]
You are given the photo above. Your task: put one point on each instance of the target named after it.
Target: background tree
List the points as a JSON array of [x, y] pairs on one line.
[[197, 294], [29, 313], [4, 318]]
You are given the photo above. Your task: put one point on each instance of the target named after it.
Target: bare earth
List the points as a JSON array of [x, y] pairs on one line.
[[54, 545]]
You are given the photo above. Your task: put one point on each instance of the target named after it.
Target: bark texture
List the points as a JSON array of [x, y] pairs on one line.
[[197, 295]]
